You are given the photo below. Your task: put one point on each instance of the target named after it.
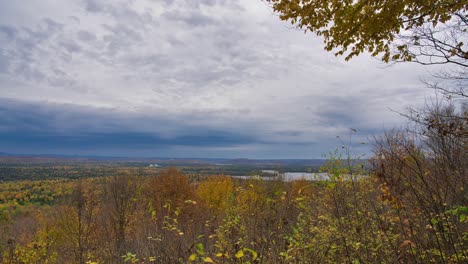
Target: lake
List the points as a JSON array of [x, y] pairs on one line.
[[291, 176]]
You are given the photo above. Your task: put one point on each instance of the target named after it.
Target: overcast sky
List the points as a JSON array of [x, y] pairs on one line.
[[184, 78]]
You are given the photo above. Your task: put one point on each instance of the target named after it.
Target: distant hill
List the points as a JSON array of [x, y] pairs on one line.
[[6, 158]]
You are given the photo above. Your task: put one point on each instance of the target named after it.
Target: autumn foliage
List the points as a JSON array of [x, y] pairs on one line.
[[410, 207]]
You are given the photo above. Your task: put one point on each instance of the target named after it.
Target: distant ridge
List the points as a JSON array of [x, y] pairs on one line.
[[53, 158]]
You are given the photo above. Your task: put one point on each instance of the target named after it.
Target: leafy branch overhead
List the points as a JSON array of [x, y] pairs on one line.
[[429, 32]]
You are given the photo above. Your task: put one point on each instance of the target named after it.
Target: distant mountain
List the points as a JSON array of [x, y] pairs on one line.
[[47, 158]]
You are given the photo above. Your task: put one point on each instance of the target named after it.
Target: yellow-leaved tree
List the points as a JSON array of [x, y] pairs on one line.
[[428, 32]]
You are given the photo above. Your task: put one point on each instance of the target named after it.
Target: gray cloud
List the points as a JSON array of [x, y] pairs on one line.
[[41, 127], [23, 120], [86, 36], [94, 6], [10, 32], [191, 19], [226, 67]]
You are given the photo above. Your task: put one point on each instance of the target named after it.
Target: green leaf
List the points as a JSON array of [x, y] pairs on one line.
[[239, 254], [462, 217], [200, 249], [129, 256]]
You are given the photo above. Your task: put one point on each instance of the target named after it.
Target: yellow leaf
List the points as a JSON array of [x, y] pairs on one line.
[[253, 252], [192, 257], [208, 259], [240, 254]]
